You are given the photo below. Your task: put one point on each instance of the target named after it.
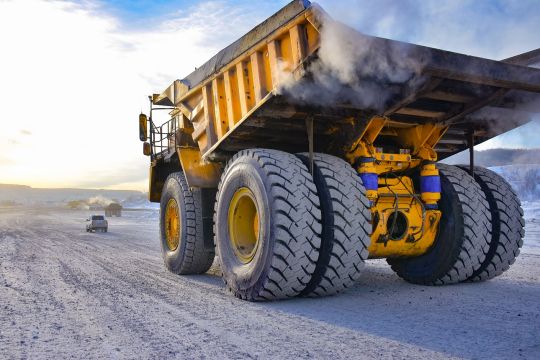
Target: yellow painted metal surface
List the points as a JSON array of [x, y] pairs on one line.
[[243, 222], [364, 146], [417, 141], [199, 173], [397, 195], [217, 105], [422, 139], [173, 224]]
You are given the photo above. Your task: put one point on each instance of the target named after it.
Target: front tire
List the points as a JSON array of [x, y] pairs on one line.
[[267, 225], [183, 245]]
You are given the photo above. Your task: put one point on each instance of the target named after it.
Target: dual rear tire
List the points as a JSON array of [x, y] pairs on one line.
[[463, 236], [480, 233], [310, 234], [507, 222]]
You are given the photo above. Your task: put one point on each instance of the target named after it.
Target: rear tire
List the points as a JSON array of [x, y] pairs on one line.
[[463, 237], [187, 252], [506, 221], [346, 225], [283, 250]]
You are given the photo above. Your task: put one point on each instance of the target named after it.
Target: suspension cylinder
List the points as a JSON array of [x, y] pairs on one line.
[[369, 176], [430, 185]]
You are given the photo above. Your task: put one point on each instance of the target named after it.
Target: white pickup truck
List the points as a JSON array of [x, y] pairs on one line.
[[97, 223]]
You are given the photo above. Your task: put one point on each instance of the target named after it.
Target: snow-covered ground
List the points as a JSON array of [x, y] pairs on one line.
[[65, 293], [531, 210]]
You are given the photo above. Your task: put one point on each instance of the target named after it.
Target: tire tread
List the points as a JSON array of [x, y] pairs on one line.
[[474, 243], [297, 224], [346, 226], [507, 224], [197, 257]]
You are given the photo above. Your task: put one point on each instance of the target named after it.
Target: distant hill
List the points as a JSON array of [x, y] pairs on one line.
[[12, 195], [497, 157], [13, 187], [520, 167]]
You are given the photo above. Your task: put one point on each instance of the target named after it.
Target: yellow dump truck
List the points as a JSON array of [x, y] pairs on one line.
[[305, 148]]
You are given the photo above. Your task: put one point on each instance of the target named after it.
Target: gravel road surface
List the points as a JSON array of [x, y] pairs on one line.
[[66, 293]]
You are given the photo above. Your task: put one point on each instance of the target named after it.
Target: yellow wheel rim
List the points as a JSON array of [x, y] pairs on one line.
[[243, 221], [172, 225]]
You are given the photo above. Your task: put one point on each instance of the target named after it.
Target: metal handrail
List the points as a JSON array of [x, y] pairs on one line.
[[163, 137]]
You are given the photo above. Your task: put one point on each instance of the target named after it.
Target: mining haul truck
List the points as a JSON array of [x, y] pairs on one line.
[[305, 148]]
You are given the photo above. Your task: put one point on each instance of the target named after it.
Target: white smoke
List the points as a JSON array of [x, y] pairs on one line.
[[352, 68], [99, 201], [368, 73]]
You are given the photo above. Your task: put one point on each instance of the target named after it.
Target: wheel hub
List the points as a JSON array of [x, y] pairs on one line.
[[172, 225], [243, 221]]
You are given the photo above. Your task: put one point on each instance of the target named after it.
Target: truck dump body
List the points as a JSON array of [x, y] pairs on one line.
[[229, 114], [305, 148]]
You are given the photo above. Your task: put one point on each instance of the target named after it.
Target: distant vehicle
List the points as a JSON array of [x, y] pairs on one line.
[[97, 223]]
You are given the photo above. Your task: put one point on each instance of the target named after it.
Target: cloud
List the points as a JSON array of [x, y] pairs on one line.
[[495, 29], [525, 136], [107, 178], [4, 160], [87, 78]]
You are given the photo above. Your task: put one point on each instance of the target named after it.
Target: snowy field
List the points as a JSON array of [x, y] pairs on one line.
[[66, 293]]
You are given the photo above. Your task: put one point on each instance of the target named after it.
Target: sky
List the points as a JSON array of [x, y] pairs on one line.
[[74, 75]]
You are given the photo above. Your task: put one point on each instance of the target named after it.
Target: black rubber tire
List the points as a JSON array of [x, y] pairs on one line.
[[508, 225], [463, 237], [289, 225], [346, 225], [193, 255]]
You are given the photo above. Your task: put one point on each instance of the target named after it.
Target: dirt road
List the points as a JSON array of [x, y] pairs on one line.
[[66, 293]]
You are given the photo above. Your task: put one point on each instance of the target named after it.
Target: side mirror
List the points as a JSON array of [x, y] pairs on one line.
[[147, 149], [143, 127]]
